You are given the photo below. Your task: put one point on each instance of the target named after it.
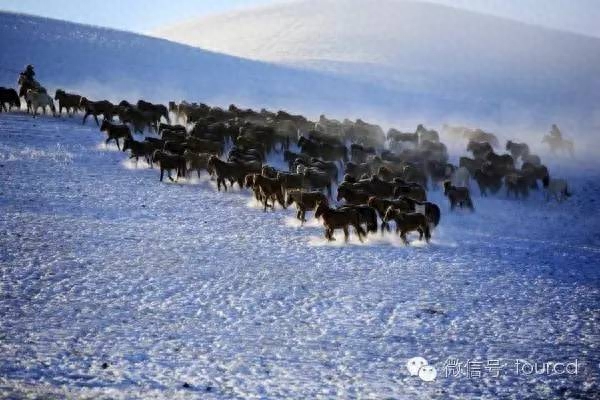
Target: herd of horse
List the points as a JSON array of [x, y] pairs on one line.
[[379, 176]]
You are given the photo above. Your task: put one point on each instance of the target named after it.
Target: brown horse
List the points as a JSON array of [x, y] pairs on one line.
[[339, 219], [266, 189], [458, 196], [115, 132], [352, 196], [168, 162], [9, 96], [68, 101], [231, 171], [408, 222], [382, 205], [305, 201], [95, 108]]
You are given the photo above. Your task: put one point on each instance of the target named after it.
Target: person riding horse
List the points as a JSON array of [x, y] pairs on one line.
[[27, 80], [29, 73], [555, 132]]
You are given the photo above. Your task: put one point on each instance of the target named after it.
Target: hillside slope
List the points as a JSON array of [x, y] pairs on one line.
[[418, 48], [112, 64]]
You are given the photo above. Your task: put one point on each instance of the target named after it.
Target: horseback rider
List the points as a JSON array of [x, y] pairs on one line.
[[29, 73], [555, 132], [28, 78]]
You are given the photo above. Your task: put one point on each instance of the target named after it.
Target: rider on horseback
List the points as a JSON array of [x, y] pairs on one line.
[[555, 132], [27, 80], [29, 73]]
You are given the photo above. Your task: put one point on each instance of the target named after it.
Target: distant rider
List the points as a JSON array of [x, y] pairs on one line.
[[555, 132]]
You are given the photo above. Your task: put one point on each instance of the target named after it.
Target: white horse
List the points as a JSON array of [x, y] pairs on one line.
[[557, 188], [558, 143], [40, 99]]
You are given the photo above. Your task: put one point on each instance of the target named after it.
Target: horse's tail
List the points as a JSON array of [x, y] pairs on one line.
[[433, 213]]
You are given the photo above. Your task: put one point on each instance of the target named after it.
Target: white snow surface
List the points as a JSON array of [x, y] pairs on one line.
[[173, 283]]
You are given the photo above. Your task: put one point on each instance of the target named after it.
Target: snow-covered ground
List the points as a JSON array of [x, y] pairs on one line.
[[116, 285]]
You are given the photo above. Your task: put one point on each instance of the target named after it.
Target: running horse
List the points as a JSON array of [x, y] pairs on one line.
[[558, 143], [26, 84]]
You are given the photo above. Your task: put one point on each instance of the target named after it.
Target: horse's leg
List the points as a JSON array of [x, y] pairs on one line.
[[162, 171], [403, 236], [96, 119], [169, 175], [329, 234], [359, 232], [346, 233], [85, 117]]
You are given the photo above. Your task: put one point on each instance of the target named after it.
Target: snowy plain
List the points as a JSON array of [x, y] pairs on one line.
[[114, 285]]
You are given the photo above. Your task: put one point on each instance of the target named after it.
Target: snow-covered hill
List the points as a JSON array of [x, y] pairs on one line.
[[492, 65], [101, 62]]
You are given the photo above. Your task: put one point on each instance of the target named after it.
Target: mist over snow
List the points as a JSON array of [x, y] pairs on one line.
[[447, 61]]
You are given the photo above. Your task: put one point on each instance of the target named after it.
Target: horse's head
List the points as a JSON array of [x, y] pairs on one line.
[[104, 126], [389, 214], [249, 180], [372, 201], [83, 102]]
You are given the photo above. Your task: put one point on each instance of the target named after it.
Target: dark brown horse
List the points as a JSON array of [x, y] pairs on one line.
[[68, 101], [305, 201], [458, 196], [408, 222], [339, 219], [9, 96], [95, 108]]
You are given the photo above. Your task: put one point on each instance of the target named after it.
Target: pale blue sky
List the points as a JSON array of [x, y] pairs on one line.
[[579, 16]]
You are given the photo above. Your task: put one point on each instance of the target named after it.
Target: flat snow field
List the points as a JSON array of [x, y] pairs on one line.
[[113, 285]]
